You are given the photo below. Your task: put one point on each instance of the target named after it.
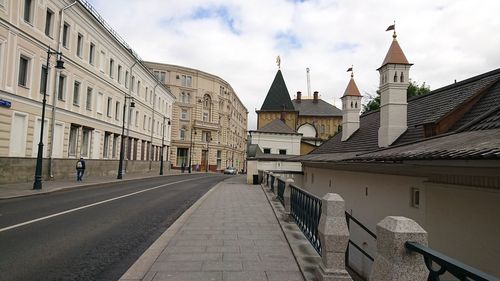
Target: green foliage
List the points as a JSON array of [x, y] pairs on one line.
[[414, 89]]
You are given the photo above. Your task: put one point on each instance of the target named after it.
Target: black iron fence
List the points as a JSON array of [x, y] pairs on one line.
[[447, 264], [271, 183], [306, 210], [350, 218], [281, 191]]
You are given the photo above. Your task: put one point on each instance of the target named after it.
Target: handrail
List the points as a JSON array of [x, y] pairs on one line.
[[348, 218], [306, 210], [447, 264], [281, 191]]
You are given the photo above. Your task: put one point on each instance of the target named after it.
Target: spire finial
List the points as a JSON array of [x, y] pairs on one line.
[[351, 69], [278, 61], [392, 27]]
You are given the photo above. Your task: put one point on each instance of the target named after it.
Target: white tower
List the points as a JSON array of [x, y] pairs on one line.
[[351, 105], [394, 82]]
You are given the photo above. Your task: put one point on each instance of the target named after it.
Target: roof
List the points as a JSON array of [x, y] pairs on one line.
[[276, 126], [352, 89], [307, 107], [278, 98], [428, 108], [253, 150], [395, 55]]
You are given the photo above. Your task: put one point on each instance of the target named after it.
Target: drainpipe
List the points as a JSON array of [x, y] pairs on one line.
[[54, 98], [128, 119], [152, 128]]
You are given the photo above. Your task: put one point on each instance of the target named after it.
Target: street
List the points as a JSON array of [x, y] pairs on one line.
[[91, 233]]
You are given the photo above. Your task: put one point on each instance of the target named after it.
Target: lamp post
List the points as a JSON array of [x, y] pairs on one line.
[[162, 143], [209, 139], [37, 184], [191, 149], [122, 144]]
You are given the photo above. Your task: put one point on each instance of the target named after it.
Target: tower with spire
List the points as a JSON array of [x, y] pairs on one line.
[[394, 82], [351, 105]]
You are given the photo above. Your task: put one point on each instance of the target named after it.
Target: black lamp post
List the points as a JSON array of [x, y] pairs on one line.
[[37, 184], [122, 144], [162, 143], [191, 149]]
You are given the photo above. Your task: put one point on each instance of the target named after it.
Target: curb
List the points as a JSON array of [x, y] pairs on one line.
[[58, 189], [142, 265]]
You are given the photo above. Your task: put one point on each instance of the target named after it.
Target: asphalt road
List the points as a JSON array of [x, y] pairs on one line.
[[80, 237]]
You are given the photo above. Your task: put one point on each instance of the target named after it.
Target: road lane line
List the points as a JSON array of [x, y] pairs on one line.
[[90, 205]]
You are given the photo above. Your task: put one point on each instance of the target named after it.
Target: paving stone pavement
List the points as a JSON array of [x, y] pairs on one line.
[[233, 235]]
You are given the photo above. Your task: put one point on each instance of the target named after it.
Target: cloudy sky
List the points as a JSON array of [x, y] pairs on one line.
[[239, 40]]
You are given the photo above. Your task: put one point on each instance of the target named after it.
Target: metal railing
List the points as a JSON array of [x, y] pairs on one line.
[[447, 264], [271, 183], [306, 211], [281, 191], [350, 218]]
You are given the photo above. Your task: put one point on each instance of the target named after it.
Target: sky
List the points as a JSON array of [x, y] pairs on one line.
[[239, 41]]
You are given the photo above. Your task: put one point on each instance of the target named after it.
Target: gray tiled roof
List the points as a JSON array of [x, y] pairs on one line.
[[276, 126], [277, 97], [427, 108], [307, 107]]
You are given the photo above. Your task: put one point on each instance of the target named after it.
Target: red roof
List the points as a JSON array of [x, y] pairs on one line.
[[352, 89], [395, 55]]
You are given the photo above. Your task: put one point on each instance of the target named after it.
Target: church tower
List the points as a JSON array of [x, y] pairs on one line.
[[351, 105], [394, 82]]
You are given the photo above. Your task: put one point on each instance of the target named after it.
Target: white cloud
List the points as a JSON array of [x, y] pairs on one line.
[[446, 40]]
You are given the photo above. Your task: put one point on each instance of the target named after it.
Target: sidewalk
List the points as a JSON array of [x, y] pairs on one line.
[[26, 188], [230, 234]]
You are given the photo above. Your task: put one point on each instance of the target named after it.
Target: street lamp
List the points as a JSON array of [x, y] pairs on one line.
[[38, 170], [209, 139], [122, 152], [162, 143], [191, 149]]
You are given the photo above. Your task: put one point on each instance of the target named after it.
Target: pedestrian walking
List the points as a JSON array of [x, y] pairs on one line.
[[80, 169], [183, 167]]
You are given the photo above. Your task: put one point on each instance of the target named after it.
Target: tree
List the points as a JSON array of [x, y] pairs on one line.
[[414, 89]]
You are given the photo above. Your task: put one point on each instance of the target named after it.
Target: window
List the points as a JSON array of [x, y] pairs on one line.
[[282, 151], [24, 64], [205, 137], [85, 142], [182, 156], [396, 76], [117, 110], [49, 22], [65, 37], [89, 99], [102, 61], [401, 78], [61, 90], [182, 133], [415, 197], [132, 82], [162, 76], [92, 53], [144, 122], [146, 94], [111, 68], [149, 124], [115, 146], [138, 88], [18, 134], [79, 45], [207, 108], [219, 159], [100, 97], [107, 137], [43, 80], [186, 81], [119, 73], [126, 79], [108, 107], [267, 151], [322, 127], [28, 11], [73, 134], [137, 118], [76, 93], [184, 114]]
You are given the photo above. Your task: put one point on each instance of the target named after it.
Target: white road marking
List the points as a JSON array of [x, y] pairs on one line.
[[88, 206]]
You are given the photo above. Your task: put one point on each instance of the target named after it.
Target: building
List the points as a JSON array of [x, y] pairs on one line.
[[433, 158], [314, 118], [209, 121], [88, 101]]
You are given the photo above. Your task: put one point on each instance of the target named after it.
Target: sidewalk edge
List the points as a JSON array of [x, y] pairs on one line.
[[142, 265]]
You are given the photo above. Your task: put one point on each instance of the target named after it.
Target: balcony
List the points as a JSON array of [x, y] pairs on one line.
[[207, 125]]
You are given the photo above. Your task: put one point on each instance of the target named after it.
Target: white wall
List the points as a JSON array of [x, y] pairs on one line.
[[278, 141]]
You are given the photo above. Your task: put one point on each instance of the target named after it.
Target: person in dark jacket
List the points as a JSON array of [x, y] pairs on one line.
[[80, 169]]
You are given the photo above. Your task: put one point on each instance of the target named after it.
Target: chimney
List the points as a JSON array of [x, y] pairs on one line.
[[299, 96], [315, 97]]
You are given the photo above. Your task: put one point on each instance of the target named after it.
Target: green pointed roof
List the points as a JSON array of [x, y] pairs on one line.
[[278, 96]]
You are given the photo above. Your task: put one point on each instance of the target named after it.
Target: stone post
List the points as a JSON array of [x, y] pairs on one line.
[[286, 196], [334, 236], [393, 261]]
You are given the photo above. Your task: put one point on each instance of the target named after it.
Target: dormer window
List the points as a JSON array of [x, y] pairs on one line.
[[401, 78], [396, 76]]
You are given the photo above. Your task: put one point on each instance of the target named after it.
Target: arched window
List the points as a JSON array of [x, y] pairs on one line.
[[401, 78], [207, 108], [396, 76], [322, 129], [351, 105], [356, 105], [182, 133], [183, 97]]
